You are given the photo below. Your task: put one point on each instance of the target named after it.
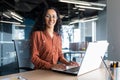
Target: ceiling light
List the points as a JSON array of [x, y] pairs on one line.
[[76, 2], [87, 20], [15, 14], [81, 9], [89, 7], [83, 3], [93, 18], [74, 8], [61, 16], [66, 16], [75, 21], [9, 22], [19, 25], [98, 4], [6, 15], [17, 18]]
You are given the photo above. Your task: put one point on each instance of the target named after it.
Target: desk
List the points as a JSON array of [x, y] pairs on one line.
[[98, 74]]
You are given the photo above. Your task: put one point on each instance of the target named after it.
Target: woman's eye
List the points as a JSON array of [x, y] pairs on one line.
[[54, 17], [48, 16]]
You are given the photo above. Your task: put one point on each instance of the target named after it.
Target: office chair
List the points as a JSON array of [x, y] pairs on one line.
[[23, 55]]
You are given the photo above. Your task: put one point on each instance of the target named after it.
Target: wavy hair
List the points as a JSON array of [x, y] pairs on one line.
[[41, 26]]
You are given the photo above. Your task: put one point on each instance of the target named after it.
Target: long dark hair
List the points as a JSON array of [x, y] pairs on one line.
[[40, 23]]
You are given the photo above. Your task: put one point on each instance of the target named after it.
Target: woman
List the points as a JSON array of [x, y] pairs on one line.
[[46, 44]]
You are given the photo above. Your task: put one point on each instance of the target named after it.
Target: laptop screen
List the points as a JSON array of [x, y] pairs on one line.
[[92, 58]]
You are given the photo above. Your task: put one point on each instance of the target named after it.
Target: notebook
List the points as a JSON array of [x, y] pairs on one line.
[[91, 60]]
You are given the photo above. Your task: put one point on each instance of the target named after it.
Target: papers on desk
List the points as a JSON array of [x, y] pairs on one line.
[[14, 78]]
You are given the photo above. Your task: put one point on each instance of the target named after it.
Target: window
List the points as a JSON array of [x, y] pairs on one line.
[[79, 32]]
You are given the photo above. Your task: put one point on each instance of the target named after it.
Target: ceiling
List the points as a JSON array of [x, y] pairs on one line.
[[34, 8]]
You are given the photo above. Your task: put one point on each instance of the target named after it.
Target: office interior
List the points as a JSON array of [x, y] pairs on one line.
[[81, 25]]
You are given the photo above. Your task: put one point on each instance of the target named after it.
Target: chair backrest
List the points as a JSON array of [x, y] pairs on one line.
[[74, 46], [22, 48]]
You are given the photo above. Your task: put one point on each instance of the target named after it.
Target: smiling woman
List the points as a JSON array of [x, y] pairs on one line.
[[50, 20], [46, 44]]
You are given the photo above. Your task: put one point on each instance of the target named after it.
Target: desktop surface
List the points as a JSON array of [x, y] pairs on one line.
[[98, 74]]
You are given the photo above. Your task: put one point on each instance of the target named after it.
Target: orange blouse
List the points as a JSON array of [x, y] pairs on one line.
[[46, 51]]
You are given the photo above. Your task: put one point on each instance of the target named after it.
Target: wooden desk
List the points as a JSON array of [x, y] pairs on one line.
[[50, 75]]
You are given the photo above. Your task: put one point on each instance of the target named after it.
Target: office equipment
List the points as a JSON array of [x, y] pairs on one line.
[[113, 73], [92, 58], [107, 69]]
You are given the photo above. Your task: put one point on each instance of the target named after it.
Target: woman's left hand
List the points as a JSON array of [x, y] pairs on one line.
[[59, 66], [72, 63]]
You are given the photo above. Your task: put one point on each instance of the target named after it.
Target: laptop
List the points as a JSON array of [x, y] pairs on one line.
[[91, 60]]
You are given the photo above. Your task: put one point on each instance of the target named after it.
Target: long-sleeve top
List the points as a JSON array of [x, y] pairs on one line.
[[46, 51]]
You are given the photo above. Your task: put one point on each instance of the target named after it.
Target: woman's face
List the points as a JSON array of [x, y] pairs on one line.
[[51, 18]]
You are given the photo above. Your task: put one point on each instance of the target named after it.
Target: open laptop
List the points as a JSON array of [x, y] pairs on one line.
[[91, 60]]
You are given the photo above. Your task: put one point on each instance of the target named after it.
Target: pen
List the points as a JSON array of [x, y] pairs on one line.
[[114, 65]]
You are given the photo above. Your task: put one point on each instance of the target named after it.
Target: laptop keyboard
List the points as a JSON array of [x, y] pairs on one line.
[[75, 69]]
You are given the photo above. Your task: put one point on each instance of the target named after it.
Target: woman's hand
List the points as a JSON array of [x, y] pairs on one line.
[[72, 63], [63, 66], [59, 66]]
